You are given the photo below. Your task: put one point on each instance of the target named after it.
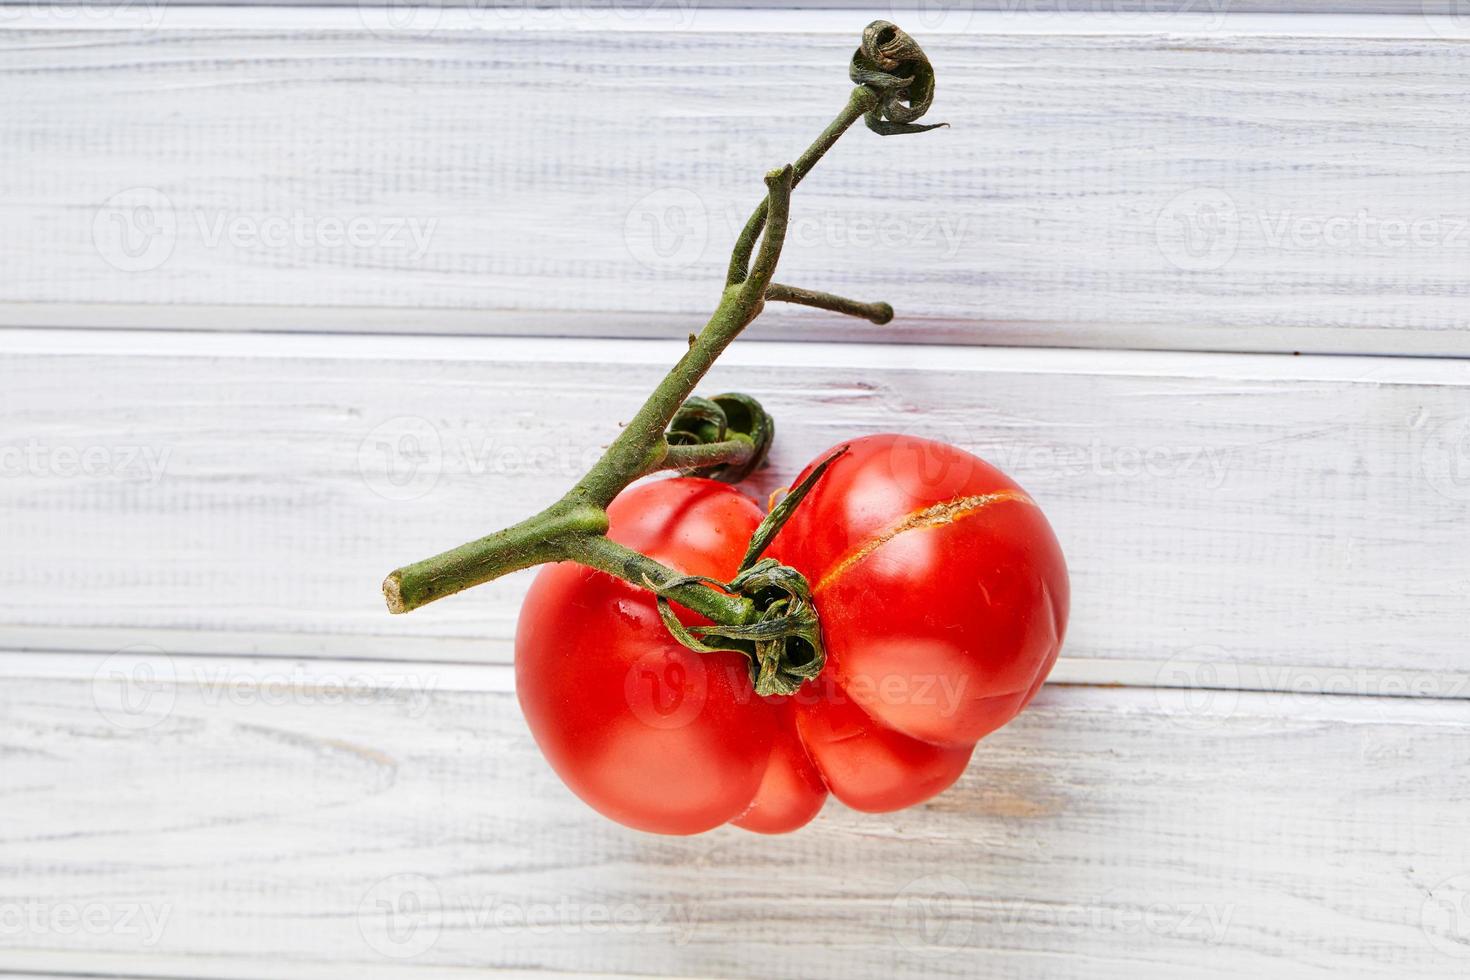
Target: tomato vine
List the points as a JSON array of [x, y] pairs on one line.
[[767, 610]]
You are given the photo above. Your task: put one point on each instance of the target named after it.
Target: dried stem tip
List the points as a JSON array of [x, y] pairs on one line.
[[891, 63]]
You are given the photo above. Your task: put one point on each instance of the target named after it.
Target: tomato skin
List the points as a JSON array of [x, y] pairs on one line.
[[649, 733], [792, 792], [943, 598], [871, 767]]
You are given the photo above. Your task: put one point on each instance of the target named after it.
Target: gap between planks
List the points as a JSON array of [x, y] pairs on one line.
[[775, 325], [427, 675], [1255, 366], [74, 965]]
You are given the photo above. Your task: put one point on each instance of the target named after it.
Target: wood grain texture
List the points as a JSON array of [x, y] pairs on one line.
[[910, 10], [260, 818], [1290, 184], [1228, 519], [357, 795]]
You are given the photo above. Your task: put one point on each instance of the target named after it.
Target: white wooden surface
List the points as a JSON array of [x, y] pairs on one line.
[[1104, 834], [912, 11], [220, 758], [1168, 182]]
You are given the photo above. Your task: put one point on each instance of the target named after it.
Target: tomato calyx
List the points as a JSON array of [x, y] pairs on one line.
[[783, 645]]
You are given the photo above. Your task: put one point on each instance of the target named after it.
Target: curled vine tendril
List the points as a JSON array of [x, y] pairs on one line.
[[706, 421], [891, 63]]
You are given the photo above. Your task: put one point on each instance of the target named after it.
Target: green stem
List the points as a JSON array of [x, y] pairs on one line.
[[735, 451], [641, 448], [575, 527], [642, 440], [859, 103], [605, 555], [534, 541], [879, 313]]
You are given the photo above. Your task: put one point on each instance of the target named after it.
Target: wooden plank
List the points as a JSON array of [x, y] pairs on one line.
[[1249, 521], [1194, 182], [911, 11], [1103, 834]]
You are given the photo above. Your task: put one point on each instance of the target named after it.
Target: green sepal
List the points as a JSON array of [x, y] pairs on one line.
[[783, 649], [771, 526], [787, 640]]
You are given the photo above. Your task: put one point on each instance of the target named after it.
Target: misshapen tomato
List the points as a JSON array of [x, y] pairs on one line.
[[943, 599]]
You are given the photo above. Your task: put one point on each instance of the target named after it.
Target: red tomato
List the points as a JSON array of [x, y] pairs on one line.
[[943, 600]]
